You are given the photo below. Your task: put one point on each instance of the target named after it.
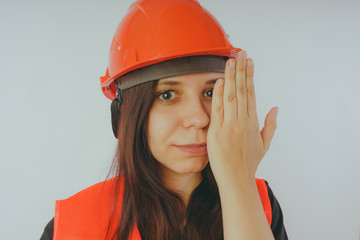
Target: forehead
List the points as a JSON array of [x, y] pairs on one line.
[[192, 78]]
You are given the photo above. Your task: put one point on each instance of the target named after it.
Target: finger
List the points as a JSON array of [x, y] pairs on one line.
[[217, 108], [241, 83], [229, 97], [268, 131], [251, 100]]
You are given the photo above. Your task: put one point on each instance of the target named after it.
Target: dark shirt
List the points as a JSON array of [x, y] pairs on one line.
[[277, 224]]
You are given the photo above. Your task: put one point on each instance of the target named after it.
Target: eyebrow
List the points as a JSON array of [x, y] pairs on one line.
[[175, 83]]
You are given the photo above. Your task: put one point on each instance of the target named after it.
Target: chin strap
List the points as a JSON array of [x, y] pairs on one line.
[[115, 111]]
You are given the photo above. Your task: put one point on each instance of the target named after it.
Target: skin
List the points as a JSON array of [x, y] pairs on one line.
[[235, 145], [181, 116]]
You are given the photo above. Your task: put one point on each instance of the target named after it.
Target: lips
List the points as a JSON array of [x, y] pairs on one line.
[[193, 149]]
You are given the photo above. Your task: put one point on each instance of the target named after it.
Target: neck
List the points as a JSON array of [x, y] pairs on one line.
[[183, 184]]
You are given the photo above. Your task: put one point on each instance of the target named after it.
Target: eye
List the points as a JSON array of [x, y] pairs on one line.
[[209, 93], [166, 96]]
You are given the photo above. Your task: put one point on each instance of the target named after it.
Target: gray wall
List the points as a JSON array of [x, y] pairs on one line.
[[55, 132]]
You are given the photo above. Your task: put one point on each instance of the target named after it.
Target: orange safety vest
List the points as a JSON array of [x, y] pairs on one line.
[[86, 214]]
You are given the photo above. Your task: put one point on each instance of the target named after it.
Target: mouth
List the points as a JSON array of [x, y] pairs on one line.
[[193, 149]]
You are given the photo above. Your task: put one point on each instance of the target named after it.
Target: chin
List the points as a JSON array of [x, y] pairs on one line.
[[194, 167]]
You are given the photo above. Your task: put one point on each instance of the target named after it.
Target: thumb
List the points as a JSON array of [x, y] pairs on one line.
[[268, 131]]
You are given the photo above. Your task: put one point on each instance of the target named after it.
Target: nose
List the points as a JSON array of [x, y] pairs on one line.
[[196, 114]]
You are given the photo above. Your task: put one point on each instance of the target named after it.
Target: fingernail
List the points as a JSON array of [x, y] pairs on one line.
[[220, 82], [242, 55], [232, 63], [277, 111]]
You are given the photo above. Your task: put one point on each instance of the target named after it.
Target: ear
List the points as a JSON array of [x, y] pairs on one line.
[[115, 115]]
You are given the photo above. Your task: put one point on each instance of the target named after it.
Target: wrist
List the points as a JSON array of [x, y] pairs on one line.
[[236, 182]]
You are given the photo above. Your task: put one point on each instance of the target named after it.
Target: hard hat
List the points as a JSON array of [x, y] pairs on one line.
[[157, 32]]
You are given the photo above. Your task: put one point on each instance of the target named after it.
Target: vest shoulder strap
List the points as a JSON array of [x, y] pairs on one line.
[[264, 196]]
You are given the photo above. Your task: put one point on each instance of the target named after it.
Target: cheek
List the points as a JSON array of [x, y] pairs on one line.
[[161, 127]]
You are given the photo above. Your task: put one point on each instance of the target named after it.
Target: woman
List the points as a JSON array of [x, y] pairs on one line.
[[184, 112]]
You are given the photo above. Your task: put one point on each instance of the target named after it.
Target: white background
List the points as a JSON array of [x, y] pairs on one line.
[[55, 131]]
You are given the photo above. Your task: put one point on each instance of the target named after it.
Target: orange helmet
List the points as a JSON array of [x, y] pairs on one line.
[[155, 31]]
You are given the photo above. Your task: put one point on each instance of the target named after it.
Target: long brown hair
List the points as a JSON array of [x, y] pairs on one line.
[[158, 212]]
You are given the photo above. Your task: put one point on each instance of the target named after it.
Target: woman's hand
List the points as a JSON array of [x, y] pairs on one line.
[[234, 142]]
